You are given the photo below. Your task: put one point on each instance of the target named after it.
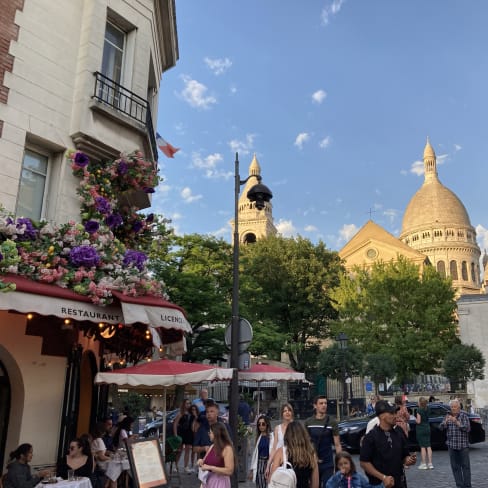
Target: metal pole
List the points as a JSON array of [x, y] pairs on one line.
[[344, 385], [234, 349]]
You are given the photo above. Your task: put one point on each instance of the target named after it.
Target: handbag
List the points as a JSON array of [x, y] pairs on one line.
[[203, 475]]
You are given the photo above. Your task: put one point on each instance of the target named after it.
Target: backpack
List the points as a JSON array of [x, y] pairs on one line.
[[284, 476]]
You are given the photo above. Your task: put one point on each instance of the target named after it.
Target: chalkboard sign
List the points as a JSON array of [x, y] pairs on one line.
[[146, 463]]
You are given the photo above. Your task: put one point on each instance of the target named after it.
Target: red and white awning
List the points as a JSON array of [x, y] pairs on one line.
[[46, 299]]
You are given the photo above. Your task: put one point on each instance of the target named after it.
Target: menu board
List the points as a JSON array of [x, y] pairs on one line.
[[146, 463]]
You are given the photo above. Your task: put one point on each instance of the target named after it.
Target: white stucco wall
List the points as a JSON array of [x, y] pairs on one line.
[[37, 384], [473, 325]]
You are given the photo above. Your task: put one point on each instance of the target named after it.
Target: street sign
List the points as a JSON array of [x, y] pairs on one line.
[[245, 335]]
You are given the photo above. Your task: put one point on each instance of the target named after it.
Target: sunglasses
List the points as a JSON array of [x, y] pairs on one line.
[[262, 423], [72, 448]]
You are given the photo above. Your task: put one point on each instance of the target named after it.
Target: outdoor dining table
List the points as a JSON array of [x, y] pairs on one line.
[[115, 467], [79, 482]]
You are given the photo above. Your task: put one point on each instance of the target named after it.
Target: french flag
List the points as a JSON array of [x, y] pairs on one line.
[[167, 149]]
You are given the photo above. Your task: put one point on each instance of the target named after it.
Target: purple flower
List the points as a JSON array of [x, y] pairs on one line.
[[29, 234], [102, 205], [150, 218], [137, 226], [114, 220], [122, 168], [81, 159], [135, 258], [1, 256], [84, 256], [148, 189], [91, 226]]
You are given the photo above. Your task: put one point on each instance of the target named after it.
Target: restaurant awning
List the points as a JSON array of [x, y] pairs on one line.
[[46, 299]]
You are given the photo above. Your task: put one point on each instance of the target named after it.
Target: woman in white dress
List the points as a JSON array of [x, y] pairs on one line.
[[287, 416]]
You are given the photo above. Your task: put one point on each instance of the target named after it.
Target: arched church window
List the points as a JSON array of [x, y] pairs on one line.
[[460, 233], [249, 238], [473, 273], [449, 233], [441, 268], [464, 271], [453, 270]]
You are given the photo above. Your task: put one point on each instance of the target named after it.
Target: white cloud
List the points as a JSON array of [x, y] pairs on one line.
[[347, 232], [391, 214], [221, 232], [482, 236], [301, 139], [195, 93], [285, 228], [310, 228], [209, 164], [242, 147], [218, 66], [417, 168], [442, 158], [457, 147], [188, 196], [325, 142], [233, 89], [331, 9], [319, 96]]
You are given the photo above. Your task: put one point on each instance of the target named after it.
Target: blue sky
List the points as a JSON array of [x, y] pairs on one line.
[[336, 98]]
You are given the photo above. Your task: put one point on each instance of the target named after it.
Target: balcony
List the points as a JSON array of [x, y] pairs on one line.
[[125, 106]]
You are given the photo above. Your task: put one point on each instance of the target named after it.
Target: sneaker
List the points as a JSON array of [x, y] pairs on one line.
[[423, 466], [430, 466], [188, 470]]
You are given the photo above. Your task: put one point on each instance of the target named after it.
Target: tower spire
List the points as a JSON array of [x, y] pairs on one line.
[[430, 165]]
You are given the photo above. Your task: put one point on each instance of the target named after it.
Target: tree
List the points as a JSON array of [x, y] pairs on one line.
[[287, 282], [379, 367], [464, 363], [197, 271], [396, 310], [333, 359]]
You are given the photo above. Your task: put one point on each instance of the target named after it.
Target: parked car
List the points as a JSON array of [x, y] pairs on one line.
[[352, 431], [156, 425]]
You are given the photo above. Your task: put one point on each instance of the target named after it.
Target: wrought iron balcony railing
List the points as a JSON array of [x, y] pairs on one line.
[[128, 103]]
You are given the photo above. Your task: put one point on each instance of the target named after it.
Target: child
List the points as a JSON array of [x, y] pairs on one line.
[[346, 475]]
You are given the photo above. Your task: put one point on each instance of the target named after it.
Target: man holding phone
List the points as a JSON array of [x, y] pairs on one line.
[[457, 427]]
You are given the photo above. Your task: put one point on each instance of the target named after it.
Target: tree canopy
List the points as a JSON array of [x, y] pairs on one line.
[[398, 311], [287, 282], [197, 271], [333, 361], [464, 362]]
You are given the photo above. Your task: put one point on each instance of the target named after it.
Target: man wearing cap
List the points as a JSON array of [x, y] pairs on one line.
[[384, 450]]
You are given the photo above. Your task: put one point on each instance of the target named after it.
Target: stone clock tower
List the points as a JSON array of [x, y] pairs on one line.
[[254, 224]]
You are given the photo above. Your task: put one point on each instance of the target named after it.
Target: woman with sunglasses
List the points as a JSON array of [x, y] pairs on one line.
[[79, 459], [262, 449]]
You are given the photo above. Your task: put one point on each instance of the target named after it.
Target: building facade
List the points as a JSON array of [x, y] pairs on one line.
[[82, 75], [437, 224]]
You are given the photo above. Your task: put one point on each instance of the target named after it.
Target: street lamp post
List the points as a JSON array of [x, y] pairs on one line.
[[342, 340], [260, 194]]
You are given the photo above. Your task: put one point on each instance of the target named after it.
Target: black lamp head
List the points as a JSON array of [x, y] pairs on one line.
[[260, 194]]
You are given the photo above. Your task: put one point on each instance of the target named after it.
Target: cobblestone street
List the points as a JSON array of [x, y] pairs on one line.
[[439, 477]]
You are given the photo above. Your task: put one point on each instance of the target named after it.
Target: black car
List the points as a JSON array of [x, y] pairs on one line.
[[352, 431], [152, 428]]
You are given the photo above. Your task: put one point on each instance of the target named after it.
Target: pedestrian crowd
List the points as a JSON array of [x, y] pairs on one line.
[[293, 455]]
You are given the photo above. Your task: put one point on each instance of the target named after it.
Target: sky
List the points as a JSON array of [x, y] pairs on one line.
[[336, 99]]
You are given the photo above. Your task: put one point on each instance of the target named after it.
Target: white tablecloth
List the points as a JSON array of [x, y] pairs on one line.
[[115, 466], [79, 483]]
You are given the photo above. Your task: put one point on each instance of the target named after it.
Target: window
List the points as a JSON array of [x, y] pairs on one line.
[[473, 274], [113, 52], [31, 195], [453, 270], [441, 268], [464, 271]]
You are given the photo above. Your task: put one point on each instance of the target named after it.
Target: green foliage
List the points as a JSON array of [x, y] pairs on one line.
[[133, 403], [197, 271], [394, 310], [379, 366], [267, 339], [287, 282], [333, 360], [464, 363]]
